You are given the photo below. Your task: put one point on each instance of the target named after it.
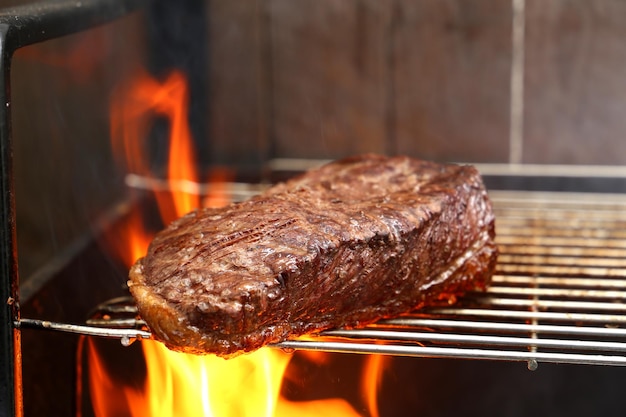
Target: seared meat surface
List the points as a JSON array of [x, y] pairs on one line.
[[344, 245]]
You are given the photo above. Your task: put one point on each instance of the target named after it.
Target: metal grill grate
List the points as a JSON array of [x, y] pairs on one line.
[[557, 295]]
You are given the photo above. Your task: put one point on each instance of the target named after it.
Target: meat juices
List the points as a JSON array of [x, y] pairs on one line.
[[344, 245]]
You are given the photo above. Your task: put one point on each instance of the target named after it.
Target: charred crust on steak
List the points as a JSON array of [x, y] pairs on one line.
[[344, 245]]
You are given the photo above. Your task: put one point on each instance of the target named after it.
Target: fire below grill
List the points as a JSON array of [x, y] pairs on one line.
[[557, 295]]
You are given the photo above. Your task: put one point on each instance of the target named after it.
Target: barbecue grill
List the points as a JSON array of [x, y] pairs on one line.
[[557, 295]]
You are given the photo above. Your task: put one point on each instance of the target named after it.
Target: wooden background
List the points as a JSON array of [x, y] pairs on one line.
[[428, 78]]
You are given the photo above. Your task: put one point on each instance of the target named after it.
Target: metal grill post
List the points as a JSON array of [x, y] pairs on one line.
[[10, 371]]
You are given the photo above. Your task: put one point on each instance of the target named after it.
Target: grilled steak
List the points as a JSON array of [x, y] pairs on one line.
[[341, 246]]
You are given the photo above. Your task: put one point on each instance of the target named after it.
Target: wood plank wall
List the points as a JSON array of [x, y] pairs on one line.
[[575, 82], [429, 78]]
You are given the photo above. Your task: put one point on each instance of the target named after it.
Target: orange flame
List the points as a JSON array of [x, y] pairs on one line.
[[180, 384], [129, 240], [183, 385], [100, 385], [371, 381], [80, 55], [219, 194], [133, 110]]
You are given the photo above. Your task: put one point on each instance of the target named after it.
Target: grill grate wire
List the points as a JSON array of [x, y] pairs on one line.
[[558, 294]]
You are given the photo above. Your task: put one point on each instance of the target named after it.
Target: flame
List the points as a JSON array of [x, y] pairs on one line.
[[106, 399], [371, 381], [80, 55], [179, 384], [134, 108], [129, 240], [219, 194], [173, 102]]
